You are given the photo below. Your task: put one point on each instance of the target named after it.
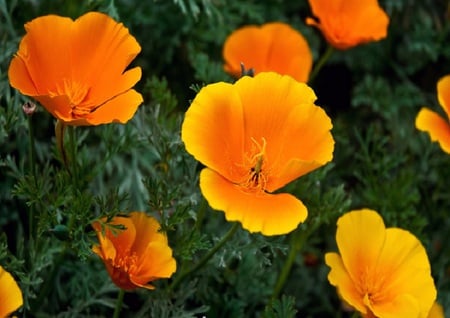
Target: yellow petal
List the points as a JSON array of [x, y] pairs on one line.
[[213, 127], [436, 311], [147, 231], [258, 212], [360, 237], [435, 126], [10, 294], [443, 90], [402, 306], [339, 277], [297, 133]]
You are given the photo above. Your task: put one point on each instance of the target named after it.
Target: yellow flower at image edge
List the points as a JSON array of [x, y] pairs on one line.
[[136, 255], [10, 294], [76, 69], [431, 122], [254, 137], [348, 23], [273, 47], [381, 272]]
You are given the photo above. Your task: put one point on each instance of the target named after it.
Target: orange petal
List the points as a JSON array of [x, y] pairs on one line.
[[122, 240], [213, 127], [339, 277], [435, 126], [270, 214], [147, 230], [360, 237], [10, 294], [272, 47], [443, 90], [282, 111], [20, 78]]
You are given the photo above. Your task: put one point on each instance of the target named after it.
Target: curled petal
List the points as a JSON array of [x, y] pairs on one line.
[[435, 126]]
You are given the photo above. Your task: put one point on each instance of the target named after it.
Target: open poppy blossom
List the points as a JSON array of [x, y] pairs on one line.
[[254, 137], [381, 272], [273, 47], [431, 122], [76, 69], [10, 294], [136, 255], [347, 23]]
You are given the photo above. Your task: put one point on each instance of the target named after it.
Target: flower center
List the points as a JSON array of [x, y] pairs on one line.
[[126, 263], [256, 178], [76, 92]]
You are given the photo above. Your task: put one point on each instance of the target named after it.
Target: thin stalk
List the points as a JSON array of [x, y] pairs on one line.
[[201, 214], [297, 241], [206, 257], [32, 168], [323, 59], [119, 303]]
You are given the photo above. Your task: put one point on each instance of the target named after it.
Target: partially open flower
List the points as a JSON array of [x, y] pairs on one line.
[[76, 69], [254, 137], [347, 23], [273, 47], [10, 294], [431, 122], [381, 272], [137, 254]]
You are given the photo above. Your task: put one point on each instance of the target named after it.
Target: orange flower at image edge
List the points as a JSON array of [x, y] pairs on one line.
[[254, 137], [432, 123], [381, 272], [10, 294], [75, 69], [273, 47], [348, 23], [136, 255]]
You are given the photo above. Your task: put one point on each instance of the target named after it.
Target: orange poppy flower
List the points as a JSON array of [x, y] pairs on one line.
[[10, 294], [75, 69], [273, 47], [136, 255], [381, 272], [437, 127], [254, 137], [347, 23]]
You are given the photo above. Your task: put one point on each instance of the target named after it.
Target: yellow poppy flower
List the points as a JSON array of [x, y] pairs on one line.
[[10, 294], [347, 23], [381, 272], [136, 255], [273, 47], [437, 127], [75, 69], [254, 137]]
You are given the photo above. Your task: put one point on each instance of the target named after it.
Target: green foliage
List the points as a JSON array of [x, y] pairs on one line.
[[381, 161]]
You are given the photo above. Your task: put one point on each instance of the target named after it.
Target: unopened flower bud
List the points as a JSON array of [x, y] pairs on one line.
[[29, 108]]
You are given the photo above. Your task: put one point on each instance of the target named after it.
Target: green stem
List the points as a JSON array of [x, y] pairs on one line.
[[297, 241], [32, 167], [119, 303], [201, 214], [323, 59], [206, 257]]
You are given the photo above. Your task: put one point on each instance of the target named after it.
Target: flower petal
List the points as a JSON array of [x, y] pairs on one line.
[[212, 130], [443, 90], [258, 212], [360, 237], [402, 306], [339, 277], [10, 294], [296, 131], [147, 230], [272, 47], [435, 126], [404, 267], [122, 239]]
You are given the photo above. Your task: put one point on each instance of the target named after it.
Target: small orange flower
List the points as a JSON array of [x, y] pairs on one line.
[[347, 23], [431, 122], [273, 47], [254, 137], [136, 255], [10, 294], [75, 69], [381, 272]]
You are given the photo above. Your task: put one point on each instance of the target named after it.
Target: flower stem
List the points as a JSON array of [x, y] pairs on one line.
[[206, 257], [32, 168], [297, 240], [119, 303], [318, 66]]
